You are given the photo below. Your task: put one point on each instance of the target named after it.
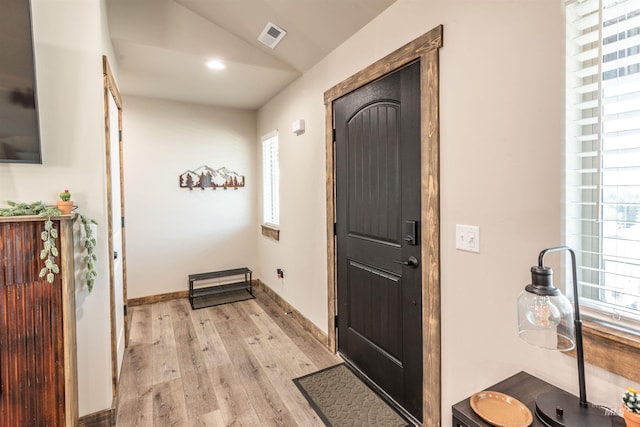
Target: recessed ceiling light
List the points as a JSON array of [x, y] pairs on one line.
[[216, 65]]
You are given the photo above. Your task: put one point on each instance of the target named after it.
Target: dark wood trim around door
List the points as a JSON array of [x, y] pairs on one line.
[[424, 48]]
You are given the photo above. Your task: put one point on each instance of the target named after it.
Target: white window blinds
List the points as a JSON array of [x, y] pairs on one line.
[[603, 153], [271, 179]]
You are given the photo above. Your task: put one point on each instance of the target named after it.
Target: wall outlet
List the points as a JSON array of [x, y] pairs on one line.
[[468, 238], [280, 273]]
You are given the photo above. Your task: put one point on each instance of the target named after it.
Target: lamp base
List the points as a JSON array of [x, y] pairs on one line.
[[560, 409]]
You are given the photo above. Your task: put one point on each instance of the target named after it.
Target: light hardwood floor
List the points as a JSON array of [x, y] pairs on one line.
[[229, 365]]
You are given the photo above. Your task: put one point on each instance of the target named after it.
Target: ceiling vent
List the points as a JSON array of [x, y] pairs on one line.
[[271, 35]]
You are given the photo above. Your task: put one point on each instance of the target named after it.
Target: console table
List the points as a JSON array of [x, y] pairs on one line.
[[522, 386]]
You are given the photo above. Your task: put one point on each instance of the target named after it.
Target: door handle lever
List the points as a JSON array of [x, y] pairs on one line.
[[411, 262]]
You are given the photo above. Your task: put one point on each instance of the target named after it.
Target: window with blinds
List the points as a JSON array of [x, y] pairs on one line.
[[271, 180], [603, 155]]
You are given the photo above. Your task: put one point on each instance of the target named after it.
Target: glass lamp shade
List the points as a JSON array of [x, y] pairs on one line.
[[546, 321]]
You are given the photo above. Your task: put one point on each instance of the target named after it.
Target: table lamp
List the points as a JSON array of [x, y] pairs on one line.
[[546, 319]]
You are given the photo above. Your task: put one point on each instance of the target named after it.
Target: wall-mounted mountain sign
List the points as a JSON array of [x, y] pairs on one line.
[[206, 177]]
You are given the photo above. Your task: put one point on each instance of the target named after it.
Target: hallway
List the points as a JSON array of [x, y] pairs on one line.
[[219, 366]]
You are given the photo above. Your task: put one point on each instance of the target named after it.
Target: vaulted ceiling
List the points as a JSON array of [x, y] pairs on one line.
[[162, 46]]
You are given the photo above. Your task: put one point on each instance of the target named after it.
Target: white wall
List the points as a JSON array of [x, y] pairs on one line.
[[302, 249], [69, 41], [501, 109], [172, 232]]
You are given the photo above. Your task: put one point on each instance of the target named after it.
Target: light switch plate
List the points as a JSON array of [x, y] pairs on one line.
[[468, 238]]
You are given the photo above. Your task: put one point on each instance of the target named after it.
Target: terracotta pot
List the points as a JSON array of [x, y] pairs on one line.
[[631, 418], [65, 207]]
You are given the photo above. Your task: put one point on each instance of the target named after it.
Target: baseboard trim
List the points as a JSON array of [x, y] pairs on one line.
[[104, 418], [164, 297], [157, 298], [306, 324]]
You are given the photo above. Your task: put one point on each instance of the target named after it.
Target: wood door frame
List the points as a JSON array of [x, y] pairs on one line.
[[425, 48], [111, 90]]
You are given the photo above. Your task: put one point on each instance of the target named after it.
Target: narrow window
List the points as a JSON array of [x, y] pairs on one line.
[[271, 180]]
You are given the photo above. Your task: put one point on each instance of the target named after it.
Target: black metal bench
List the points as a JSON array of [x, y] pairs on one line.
[[216, 294]]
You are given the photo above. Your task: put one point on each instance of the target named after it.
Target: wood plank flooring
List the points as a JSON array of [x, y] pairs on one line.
[[229, 365]]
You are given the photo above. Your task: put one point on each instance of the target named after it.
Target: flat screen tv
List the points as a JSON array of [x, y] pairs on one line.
[[19, 130]]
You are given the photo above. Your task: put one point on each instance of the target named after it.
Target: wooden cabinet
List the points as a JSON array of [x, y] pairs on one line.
[[38, 374]]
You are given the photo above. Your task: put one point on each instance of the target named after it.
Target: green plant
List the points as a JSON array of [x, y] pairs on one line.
[[49, 252], [89, 244], [631, 400], [50, 234], [35, 208], [65, 196]]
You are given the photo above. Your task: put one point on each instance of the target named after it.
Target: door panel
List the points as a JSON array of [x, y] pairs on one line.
[[374, 174], [375, 293], [377, 202], [116, 231]]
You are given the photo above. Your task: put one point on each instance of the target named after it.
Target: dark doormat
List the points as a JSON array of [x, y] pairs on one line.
[[341, 399]]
